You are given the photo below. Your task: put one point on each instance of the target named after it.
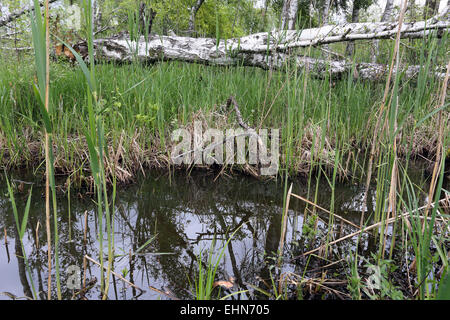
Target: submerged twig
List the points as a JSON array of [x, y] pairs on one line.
[[163, 293]]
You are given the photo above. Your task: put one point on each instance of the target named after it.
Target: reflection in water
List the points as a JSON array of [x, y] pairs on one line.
[[182, 215]]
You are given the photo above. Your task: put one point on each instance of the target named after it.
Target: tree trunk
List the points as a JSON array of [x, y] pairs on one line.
[[350, 50], [412, 9], [325, 18], [326, 12], [264, 13], [430, 9], [146, 17], [267, 52], [284, 41], [97, 15], [289, 14], [194, 11], [387, 15]]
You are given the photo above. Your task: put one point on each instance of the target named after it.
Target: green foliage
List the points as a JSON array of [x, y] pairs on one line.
[[234, 17], [355, 283], [444, 288], [309, 229]]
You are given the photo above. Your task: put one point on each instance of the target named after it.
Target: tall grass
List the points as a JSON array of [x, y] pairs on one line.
[[94, 134], [95, 138], [167, 95]]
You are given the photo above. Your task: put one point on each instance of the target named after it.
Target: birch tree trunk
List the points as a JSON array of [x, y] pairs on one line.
[[325, 12], [289, 14], [350, 49], [325, 16], [203, 51], [412, 9], [194, 11], [97, 15], [146, 17], [387, 15], [430, 9]]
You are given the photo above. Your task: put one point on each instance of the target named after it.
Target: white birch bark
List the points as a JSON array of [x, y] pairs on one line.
[[204, 51], [267, 50], [387, 15], [326, 12], [325, 17], [194, 10], [280, 41], [289, 14], [350, 49]]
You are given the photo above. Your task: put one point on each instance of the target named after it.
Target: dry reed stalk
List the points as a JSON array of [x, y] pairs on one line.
[[47, 157], [163, 293], [84, 271], [393, 183], [439, 158], [318, 283], [6, 245], [37, 235]]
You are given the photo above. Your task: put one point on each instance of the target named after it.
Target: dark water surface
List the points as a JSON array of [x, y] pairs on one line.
[[181, 214]]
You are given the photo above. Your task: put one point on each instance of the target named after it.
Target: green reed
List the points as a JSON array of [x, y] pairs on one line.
[[97, 146], [41, 43]]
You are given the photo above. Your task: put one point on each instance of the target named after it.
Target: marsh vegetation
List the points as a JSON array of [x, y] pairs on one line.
[[96, 209]]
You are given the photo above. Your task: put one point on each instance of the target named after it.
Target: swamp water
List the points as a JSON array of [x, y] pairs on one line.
[[181, 215]]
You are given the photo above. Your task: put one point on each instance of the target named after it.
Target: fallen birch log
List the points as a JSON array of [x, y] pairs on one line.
[[199, 51], [270, 50]]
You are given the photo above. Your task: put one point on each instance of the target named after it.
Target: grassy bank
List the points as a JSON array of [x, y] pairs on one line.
[[142, 105]]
